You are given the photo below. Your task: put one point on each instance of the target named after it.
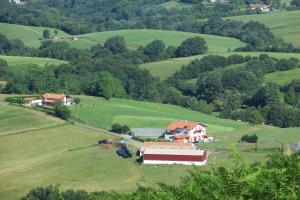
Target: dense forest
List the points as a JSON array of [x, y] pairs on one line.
[[277, 178]]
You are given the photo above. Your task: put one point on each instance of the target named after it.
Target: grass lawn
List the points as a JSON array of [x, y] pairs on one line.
[[166, 68], [284, 24], [283, 77]]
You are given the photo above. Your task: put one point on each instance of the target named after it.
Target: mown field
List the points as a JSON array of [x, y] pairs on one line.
[[31, 36], [166, 68], [283, 77], [284, 24], [38, 150]]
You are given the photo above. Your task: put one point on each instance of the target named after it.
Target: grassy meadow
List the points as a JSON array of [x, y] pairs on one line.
[[31, 36], [283, 77], [37, 150], [166, 68], [141, 37], [145, 114], [284, 24]]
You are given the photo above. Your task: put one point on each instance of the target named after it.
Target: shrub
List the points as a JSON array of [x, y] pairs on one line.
[[61, 111], [121, 129], [249, 138]]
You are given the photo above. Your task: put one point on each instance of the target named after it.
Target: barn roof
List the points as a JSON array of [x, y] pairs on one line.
[[169, 151], [170, 145], [54, 96]]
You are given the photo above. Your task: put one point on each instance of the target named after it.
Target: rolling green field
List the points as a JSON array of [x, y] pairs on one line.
[[38, 150], [228, 132], [31, 36], [166, 68], [284, 24], [283, 77], [21, 63], [141, 37]]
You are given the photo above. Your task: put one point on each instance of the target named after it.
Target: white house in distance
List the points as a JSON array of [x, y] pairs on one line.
[[186, 131], [50, 99], [261, 7]]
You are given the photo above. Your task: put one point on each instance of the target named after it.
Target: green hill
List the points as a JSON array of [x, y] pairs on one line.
[[167, 68], [146, 114], [284, 24], [37, 150], [31, 36], [141, 37], [23, 63], [283, 77]]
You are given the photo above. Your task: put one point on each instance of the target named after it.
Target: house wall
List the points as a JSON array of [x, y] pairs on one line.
[[184, 158], [163, 162]]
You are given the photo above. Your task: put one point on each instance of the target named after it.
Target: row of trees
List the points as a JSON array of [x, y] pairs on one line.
[[277, 178]]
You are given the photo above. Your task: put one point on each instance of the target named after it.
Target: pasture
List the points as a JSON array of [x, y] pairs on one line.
[[284, 24], [283, 77], [38, 150], [166, 68], [228, 132], [22, 63], [141, 37]]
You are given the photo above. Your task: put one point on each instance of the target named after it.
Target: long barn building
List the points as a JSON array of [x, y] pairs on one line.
[[177, 154]]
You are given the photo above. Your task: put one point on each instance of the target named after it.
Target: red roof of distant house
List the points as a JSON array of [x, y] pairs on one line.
[[51, 98], [254, 5], [182, 124]]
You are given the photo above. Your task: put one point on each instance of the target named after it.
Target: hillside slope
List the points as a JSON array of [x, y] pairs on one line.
[[284, 24], [166, 68]]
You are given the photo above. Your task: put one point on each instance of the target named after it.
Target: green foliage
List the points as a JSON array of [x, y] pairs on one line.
[[116, 45], [75, 195], [46, 34], [45, 193], [249, 138], [155, 50], [121, 129], [77, 100], [61, 111], [191, 46], [278, 178], [3, 68]]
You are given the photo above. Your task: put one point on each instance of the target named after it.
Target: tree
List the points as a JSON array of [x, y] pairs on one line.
[[249, 138], [116, 45], [296, 3], [155, 50], [77, 101], [45, 193], [3, 68], [46, 34], [121, 129], [75, 195], [191, 46], [61, 111]]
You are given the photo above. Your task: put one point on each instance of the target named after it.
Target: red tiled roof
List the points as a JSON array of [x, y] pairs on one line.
[[51, 98], [253, 5], [182, 124], [180, 136]]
